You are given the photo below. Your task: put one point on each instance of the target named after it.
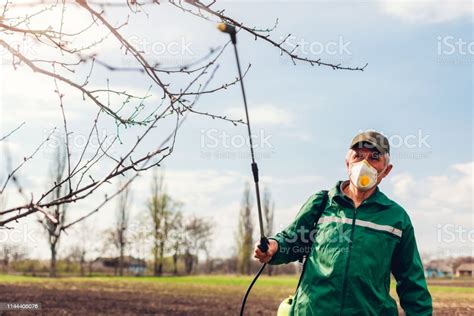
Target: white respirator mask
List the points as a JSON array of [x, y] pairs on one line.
[[363, 175]]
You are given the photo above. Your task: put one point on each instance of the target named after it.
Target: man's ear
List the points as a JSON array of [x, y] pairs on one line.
[[387, 170]]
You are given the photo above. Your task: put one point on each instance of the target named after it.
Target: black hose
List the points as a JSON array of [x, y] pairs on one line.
[[242, 307]]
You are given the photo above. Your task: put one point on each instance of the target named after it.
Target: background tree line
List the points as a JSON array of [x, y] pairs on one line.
[[159, 240]]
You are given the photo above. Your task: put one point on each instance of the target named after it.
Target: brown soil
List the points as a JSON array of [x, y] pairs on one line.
[[89, 298], [124, 302]]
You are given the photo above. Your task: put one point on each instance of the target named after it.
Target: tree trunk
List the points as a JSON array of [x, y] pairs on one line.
[[160, 265], [188, 262], [175, 263], [52, 268], [155, 253], [81, 266], [121, 260], [155, 260], [210, 265], [5, 264]]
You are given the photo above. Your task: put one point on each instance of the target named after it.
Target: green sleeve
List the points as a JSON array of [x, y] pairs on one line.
[[407, 269], [294, 241]]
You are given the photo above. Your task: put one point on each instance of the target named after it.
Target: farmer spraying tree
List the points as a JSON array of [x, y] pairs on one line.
[[353, 236]]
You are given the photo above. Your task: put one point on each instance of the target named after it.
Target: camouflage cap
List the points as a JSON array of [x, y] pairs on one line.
[[371, 139]]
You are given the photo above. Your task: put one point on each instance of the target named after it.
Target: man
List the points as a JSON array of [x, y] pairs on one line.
[[355, 236]]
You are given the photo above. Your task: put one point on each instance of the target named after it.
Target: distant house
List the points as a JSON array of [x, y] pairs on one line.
[[432, 272], [131, 265], [465, 270], [438, 269]]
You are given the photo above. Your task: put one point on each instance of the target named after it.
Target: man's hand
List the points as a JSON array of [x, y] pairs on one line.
[[264, 257]]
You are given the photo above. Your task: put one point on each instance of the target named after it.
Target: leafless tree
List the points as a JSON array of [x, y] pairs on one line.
[[121, 228], [268, 213], [198, 233], [77, 254], [68, 54], [56, 216], [10, 253], [163, 210], [244, 235], [117, 236], [155, 209], [140, 238], [5, 252], [177, 239], [83, 245]]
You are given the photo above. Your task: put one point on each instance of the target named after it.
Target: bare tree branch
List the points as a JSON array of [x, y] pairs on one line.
[[12, 131], [70, 64]]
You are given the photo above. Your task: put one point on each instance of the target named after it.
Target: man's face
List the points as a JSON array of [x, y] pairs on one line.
[[373, 157]]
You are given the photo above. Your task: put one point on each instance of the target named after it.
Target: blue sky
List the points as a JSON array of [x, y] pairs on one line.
[[412, 90]]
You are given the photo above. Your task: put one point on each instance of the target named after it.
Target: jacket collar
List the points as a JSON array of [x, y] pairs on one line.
[[377, 197]]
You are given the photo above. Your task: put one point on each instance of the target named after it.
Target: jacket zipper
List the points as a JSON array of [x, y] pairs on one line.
[[344, 286]]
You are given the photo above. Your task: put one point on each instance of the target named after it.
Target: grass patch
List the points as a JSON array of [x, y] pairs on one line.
[[210, 280], [217, 280], [450, 289]]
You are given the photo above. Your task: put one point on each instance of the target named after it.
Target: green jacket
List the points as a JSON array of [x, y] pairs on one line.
[[353, 251]]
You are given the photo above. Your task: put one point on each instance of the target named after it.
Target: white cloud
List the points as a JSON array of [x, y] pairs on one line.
[[73, 20], [40, 104], [437, 204], [403, 184], [195, 183], [452, 190], [428, 11]]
